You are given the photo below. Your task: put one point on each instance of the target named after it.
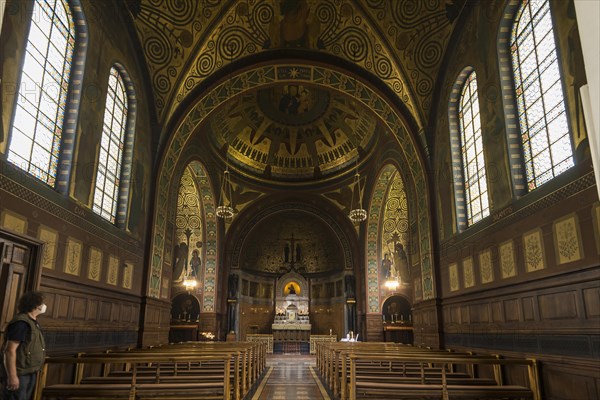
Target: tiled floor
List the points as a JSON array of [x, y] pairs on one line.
[[290, 377]]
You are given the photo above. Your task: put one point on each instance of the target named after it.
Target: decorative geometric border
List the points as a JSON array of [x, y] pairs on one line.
[[263, 76], [456, 149], [507, 84], [69, 134], [207, 203]]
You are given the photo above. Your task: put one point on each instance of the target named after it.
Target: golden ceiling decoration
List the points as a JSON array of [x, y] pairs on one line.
[[293, 132], [400, 42]]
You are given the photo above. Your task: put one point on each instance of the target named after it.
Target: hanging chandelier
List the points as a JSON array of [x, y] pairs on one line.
[[225, 207], [357, 213]]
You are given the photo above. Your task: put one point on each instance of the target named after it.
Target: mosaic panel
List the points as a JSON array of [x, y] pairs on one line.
[[14, 222], [95, 264], [73, 256], [486, 266], [128, 275], [453, 274], [567, 239], [50, 238], [113, 270], [534, 250], [508, 266], [468, 272]]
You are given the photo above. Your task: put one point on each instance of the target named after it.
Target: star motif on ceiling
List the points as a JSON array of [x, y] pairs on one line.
[[294, 73]]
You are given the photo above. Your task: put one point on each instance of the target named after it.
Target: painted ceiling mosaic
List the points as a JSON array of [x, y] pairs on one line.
[[291, 132], [400, 42]]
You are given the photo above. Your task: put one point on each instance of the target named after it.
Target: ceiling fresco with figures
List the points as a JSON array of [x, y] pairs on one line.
[[293, 133], [402, 43]]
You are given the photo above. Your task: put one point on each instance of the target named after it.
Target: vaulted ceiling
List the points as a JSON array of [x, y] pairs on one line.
[[294, 132]]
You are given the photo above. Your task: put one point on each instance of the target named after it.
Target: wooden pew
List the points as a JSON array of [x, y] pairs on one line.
[[241, 379], [364, 388], [195, 387]]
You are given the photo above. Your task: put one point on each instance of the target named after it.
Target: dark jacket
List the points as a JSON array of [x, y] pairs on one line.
[[31, 353]]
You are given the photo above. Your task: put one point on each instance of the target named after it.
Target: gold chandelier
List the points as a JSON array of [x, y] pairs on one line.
[[357, 213], [225, 208]]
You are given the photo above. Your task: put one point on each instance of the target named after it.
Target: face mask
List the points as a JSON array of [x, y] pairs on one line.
[[43, 309]]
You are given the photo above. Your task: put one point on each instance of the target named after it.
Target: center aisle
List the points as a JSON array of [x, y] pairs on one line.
[[291, 377]]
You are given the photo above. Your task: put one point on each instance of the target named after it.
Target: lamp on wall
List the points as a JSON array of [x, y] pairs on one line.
[[225, 209], [357, 213]]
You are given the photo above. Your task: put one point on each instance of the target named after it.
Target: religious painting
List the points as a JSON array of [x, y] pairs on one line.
[[567, 239], [469, 274], [14, 222], [291, 288], [507, 260], [94, 264], [486, 266], [73, 256], [50, 239], [186, 308], [533, 246], [113, 270], [453, 274], [128, 275]]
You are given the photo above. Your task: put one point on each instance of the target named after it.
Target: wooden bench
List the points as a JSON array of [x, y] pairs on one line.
[[195, 387], [364, 388]]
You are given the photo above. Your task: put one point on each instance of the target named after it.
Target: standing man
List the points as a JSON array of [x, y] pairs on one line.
[[24, 349]]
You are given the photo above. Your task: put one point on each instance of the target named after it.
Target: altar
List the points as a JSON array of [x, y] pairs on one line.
[[291, 332], [291, 322]]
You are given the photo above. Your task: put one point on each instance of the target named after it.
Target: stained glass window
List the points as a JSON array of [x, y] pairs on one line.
[[476, 193], [112, 144], [547, 146], [41, 101]]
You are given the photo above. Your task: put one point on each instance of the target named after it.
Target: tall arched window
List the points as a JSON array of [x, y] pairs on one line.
[[473, 162], [547, 149], [37, 128], [112, 147], [468, 161]]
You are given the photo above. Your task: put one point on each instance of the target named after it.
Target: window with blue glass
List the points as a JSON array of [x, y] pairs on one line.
[[473, 162], [35, 135], [112, 146], [546, 142]]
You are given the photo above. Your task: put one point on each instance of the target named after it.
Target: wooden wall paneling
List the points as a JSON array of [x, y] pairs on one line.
[[528, 305], [512, 311], [591, 298], [558, 305], [79, 308], [497, 311]]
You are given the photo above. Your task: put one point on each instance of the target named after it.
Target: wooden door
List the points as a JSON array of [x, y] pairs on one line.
[[19, 272]]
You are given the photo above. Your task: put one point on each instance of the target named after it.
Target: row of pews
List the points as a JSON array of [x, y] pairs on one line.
[[368, 370], [192, 370]]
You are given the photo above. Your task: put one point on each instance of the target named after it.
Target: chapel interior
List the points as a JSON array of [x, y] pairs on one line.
[[411, 171]]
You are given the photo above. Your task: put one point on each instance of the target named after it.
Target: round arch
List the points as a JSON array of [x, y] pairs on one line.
[[262, 76]]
